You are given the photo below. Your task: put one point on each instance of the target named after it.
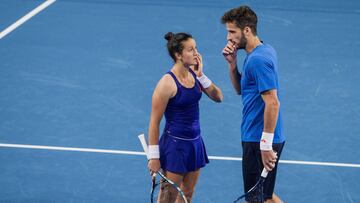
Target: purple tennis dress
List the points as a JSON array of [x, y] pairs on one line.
[[181, 146]]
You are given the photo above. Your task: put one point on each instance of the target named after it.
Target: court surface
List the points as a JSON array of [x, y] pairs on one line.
[[77, 79]]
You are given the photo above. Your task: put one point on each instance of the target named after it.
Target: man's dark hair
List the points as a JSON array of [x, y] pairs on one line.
[[242, 16], [175, 43]]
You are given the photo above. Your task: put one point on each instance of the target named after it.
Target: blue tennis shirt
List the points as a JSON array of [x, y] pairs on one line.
[[260, 73]]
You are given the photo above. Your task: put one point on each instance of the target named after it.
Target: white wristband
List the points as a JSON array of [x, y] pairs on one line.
[[153, 152], [266, 141], [204, 81]]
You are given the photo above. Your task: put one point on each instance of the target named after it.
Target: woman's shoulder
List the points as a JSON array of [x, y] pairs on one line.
[[167, 85], [167, 79]]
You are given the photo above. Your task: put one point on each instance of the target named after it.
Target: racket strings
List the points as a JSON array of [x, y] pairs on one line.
[[168, 193], [255, 194], [163, 191]]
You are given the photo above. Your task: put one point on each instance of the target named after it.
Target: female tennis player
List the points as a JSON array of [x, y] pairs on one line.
[[180, 153]]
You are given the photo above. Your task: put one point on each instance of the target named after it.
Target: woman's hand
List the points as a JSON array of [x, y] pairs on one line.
[[198, 68], [154, 166]]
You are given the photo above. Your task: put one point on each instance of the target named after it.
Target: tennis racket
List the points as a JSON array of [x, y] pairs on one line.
[[155, 187], [256, 193]]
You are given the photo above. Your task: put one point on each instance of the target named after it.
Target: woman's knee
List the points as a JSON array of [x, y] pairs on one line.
[[188, 192]]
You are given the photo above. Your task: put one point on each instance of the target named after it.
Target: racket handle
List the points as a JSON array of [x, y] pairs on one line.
[[264, 173], [145, 147], [153, 177], [144, 144]]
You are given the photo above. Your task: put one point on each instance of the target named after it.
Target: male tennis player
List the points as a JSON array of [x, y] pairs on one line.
[[258, 83], [181, 151]]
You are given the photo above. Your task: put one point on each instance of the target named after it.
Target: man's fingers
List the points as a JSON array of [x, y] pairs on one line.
[[231, 45], [273, 159], [227, 50], [269, 166], [269, 160], [230, 48]]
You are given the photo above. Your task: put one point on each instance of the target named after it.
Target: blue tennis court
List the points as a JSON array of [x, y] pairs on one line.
[[77, 80]]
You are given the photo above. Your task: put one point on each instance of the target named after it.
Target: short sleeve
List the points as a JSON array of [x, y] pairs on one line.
[[264, 74]]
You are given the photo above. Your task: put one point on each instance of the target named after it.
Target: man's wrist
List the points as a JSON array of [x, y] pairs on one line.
[[233, 66], [266, 141]]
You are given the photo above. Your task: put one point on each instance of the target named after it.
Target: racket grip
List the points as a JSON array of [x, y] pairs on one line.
[[264, 173], [153, 176], [144, 144]]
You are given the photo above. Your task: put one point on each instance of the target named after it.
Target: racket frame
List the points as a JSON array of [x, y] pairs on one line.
[[145, 148], [261, 180]]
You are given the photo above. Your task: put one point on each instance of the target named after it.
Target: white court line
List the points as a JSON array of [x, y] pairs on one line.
[[292, 162], [26, 18], [71, 149], [223, 158]]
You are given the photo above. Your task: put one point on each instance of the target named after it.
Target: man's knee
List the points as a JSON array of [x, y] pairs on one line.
[[274, 199]]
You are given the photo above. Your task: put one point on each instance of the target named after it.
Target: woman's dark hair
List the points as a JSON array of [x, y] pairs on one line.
[[175, 42], [242, 16]]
